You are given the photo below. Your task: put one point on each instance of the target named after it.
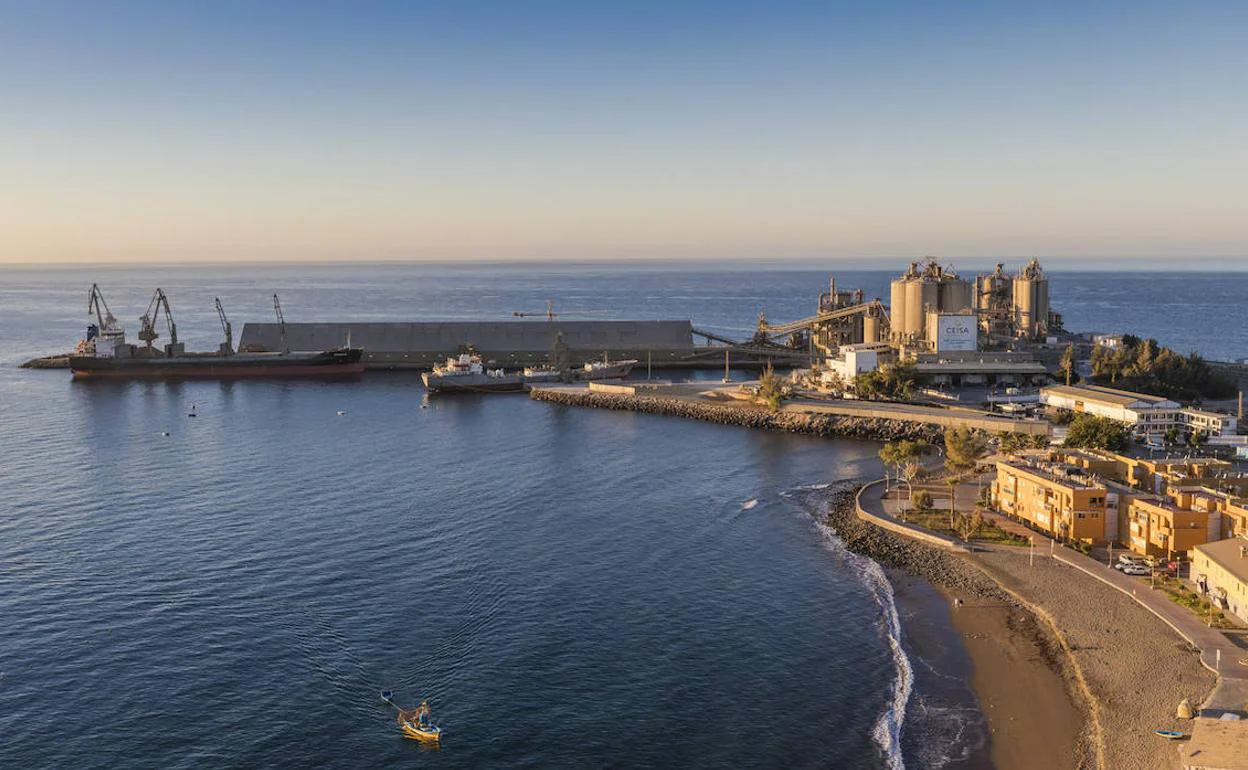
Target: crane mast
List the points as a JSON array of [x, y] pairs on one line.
[[225, 327], [147, 322], [281, 322]]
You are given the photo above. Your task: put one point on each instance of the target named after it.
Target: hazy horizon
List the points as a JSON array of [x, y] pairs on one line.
[[485, 131]]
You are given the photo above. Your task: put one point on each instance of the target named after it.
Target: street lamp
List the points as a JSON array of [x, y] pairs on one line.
[[1031, 552]]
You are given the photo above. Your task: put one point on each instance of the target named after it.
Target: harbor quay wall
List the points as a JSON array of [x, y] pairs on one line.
[[420, 345], [826, 425]]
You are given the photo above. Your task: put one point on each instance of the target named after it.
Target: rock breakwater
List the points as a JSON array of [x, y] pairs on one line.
[[749, 416]]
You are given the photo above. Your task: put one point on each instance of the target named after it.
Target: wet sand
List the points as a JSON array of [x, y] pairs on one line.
[[1034, 721]]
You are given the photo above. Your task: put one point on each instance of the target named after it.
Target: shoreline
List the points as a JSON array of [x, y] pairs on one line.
[[1123, 670], [1022, 683]]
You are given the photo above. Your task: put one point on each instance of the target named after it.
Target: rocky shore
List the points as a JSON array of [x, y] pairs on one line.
[[749, 416]]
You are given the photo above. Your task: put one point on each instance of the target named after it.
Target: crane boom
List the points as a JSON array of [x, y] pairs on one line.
[[147, 330], [225, 325], [96, 304]]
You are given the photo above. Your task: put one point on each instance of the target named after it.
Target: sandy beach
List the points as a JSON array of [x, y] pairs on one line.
[[1136, 668], [1081, 682], [1035, 721]]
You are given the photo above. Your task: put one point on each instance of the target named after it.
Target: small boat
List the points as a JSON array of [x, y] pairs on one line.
[[417, 723], [1170, 735]]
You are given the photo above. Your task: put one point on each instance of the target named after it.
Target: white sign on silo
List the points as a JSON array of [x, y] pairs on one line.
[[956, 332]]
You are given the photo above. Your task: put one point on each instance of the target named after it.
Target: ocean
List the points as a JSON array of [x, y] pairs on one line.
[[568, 588]]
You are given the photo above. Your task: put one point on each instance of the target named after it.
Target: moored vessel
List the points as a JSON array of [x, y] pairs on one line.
[[105, 353], [464, 373]]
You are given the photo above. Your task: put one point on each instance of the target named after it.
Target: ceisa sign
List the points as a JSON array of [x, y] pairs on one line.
[[956, 332]]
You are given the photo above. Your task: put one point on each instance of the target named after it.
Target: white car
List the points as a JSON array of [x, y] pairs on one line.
[[1135, 569]]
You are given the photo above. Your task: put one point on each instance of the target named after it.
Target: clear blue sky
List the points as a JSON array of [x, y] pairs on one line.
[[267, 130]]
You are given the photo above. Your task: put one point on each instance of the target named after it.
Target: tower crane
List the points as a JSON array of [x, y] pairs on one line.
[[550, 312], [281, 322], [225, 326], [96, 304], [147, 323]]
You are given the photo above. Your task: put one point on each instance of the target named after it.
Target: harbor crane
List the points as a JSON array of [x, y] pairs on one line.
[[96, 304], [147, 322], [281, 322], [225, 325]]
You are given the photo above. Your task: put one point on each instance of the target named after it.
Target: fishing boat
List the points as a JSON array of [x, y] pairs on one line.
[[1170, 735], [417, 723]]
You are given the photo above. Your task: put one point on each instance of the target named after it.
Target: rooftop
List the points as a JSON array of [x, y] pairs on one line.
[[1061, 473], [1228, 555], [1108, 395]]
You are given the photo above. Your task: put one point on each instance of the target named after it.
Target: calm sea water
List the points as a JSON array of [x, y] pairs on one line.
[[570, 588]]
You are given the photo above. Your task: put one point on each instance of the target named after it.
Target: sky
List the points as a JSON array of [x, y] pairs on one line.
[[170, 130]]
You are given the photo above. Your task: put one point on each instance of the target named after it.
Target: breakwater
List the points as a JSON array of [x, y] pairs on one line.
[[747, 415]]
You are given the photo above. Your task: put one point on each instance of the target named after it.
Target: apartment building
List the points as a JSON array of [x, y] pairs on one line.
[[1059, 499]]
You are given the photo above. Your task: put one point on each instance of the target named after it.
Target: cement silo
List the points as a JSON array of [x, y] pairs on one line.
[[922, 289], [1031, 301]]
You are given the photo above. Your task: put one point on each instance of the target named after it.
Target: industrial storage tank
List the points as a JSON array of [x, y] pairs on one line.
[[871, 328], [955, 294], [897, 307], [915, 302], [1031, 301]]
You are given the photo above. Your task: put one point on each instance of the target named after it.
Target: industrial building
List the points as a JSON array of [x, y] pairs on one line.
[[1015, 306], [505, 343], [921, 296], [1147, 415]]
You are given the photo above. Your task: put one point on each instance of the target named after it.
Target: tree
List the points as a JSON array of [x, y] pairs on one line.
[[770, 389], [1172, 436], [904, 455], [1093, 432], [923, 500], [968, 525], [1068, 363], [963, 449]]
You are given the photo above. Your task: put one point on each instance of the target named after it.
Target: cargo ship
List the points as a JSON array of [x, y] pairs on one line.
[[325, 363], [465, 373], [105, 354]]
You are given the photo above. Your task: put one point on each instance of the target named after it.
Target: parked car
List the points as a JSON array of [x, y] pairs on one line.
[[1169, 569], [1135, 569], [1125, 559]]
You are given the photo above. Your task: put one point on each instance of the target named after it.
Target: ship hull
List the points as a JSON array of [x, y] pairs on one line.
[[473, 383], [330, 363]]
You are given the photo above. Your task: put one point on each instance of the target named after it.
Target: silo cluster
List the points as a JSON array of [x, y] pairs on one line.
[[925, 288]]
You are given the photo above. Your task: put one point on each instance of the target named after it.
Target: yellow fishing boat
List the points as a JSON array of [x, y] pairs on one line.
[[416, 724]]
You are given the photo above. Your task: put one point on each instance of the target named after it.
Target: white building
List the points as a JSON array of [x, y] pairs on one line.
[[1147, 415], [851, 361], [1209, 423]]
